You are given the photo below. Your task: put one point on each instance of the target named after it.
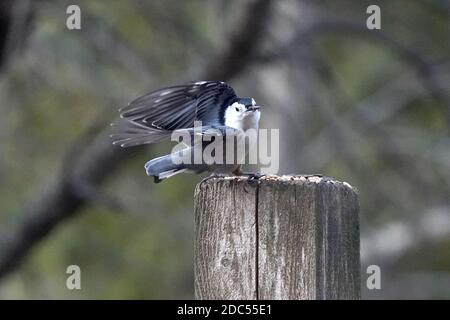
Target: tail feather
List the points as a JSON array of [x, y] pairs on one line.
[[163, 167]]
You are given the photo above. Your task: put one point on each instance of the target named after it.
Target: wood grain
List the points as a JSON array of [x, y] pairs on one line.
[[225, 240], [289, 237]]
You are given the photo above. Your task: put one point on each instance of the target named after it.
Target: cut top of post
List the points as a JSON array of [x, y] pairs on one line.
[[279, 237]]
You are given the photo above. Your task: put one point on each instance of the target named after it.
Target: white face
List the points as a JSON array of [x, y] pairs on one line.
[[240, 117]]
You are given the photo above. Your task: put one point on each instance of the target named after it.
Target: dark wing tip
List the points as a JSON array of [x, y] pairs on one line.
[[178, 106]]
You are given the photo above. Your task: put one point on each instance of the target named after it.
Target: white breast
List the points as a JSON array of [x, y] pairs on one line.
[[241, 120]]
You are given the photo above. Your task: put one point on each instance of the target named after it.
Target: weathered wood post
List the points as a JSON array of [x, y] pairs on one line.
[[288, 237]]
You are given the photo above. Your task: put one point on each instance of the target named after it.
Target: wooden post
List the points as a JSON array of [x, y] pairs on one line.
[[288, 237]]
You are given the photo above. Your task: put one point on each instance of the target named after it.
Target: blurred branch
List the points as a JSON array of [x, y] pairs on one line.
[[389, 244], [345, 129], [107, 42], [15, 19], [91, 165], [244, 44], [424, 69]]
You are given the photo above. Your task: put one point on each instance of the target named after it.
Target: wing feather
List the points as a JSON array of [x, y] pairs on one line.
[[152, 117]]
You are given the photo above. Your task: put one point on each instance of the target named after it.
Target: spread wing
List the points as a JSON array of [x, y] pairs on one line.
[[153, 117]]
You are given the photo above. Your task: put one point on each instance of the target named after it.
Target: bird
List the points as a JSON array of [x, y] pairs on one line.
[[155, 116]]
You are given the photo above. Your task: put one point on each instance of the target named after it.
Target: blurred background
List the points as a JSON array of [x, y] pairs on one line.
[[371, 108]]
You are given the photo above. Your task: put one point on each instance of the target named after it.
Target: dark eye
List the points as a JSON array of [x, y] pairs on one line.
[[237, 109]]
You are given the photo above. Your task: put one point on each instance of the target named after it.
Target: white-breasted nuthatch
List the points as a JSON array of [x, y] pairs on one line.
[[154, 117]]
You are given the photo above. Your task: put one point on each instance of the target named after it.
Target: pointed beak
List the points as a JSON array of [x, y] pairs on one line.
[[253, 108]]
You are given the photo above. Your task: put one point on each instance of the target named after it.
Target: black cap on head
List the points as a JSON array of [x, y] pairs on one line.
[[248, 102]]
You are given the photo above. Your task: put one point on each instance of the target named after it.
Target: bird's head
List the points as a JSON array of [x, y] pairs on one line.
[[242, 114]]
